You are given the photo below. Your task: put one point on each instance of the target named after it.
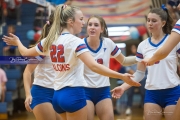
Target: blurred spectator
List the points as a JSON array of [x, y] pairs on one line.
[[173, 3], [3, 80], [130, 91], [172, 7], [11, 9], [3, 10], [41, 16], [9, 50]]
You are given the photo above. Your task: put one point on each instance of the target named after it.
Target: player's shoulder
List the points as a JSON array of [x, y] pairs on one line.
[[178, 22], [106, 39], [143, 42], [75, 41]]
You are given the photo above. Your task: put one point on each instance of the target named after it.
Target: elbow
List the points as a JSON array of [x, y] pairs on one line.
[[162, 55], [26, 53], [93, 67], [23, 54]]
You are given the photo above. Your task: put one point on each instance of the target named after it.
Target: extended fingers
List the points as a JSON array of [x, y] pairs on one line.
[[27, 105], [136, 84], [6, 37], [113, 90], [12, 35], [116, 96]]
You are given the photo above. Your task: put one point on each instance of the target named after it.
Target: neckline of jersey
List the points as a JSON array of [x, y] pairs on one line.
[[94, 51], [156, 45]]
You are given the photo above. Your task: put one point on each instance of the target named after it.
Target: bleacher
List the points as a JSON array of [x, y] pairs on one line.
[[14, 75]]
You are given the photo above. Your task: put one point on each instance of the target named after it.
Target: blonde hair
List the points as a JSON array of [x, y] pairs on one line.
[[61, 15]]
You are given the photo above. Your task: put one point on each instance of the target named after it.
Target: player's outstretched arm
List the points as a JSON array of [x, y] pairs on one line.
[[87, 58], [14, 40], [172, 41], [117, 92], [27, 85]]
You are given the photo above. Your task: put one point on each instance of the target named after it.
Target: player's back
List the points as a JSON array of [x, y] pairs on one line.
[[69, 68], [44, 73]]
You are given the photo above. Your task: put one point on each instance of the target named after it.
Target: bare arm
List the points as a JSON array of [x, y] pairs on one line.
[[172, 41], [87, 58], [27, 85], [14, 40], [27, 52], [120, 58], [27, 77]]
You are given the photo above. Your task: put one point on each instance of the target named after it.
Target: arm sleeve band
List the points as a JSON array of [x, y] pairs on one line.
[[128, 61], [138, 76]]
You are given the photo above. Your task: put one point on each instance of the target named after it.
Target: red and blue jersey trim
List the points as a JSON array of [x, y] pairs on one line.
[[178, 51], [81, 47], [177, 27], [114, 51], [40, 47], [139, 55], [42, 56], [157, 62]]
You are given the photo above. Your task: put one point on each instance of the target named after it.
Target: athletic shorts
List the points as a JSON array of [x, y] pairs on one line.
[[97, 94], [163, 97], [69, 99], [41, 95]]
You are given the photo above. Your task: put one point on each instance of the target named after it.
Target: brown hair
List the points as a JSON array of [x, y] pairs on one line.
[[165, 16], [103, 25]]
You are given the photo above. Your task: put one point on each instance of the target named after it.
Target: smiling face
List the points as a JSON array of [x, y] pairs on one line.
[[94, 27], [154, 23], [78, 23]]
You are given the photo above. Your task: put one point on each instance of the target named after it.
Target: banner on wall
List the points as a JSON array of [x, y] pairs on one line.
[[39, 2], [57, 2]]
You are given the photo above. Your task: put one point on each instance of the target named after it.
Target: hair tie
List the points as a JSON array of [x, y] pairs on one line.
[[47, 22], [164, 7], [64, 6]]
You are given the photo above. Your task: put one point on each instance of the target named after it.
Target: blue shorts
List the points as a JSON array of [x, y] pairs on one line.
[[97, 94], [163, 97], [69, 99], [41, 95]]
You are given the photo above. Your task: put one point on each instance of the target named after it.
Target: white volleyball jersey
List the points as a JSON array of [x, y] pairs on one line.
[[102, 55], [44, 73], [68, 67], [162, 74], [177, 27]]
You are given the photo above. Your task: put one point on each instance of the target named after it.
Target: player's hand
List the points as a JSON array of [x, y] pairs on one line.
[[11, 39], [147, 62], [127, 78], [27, 103], [117, 92]]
